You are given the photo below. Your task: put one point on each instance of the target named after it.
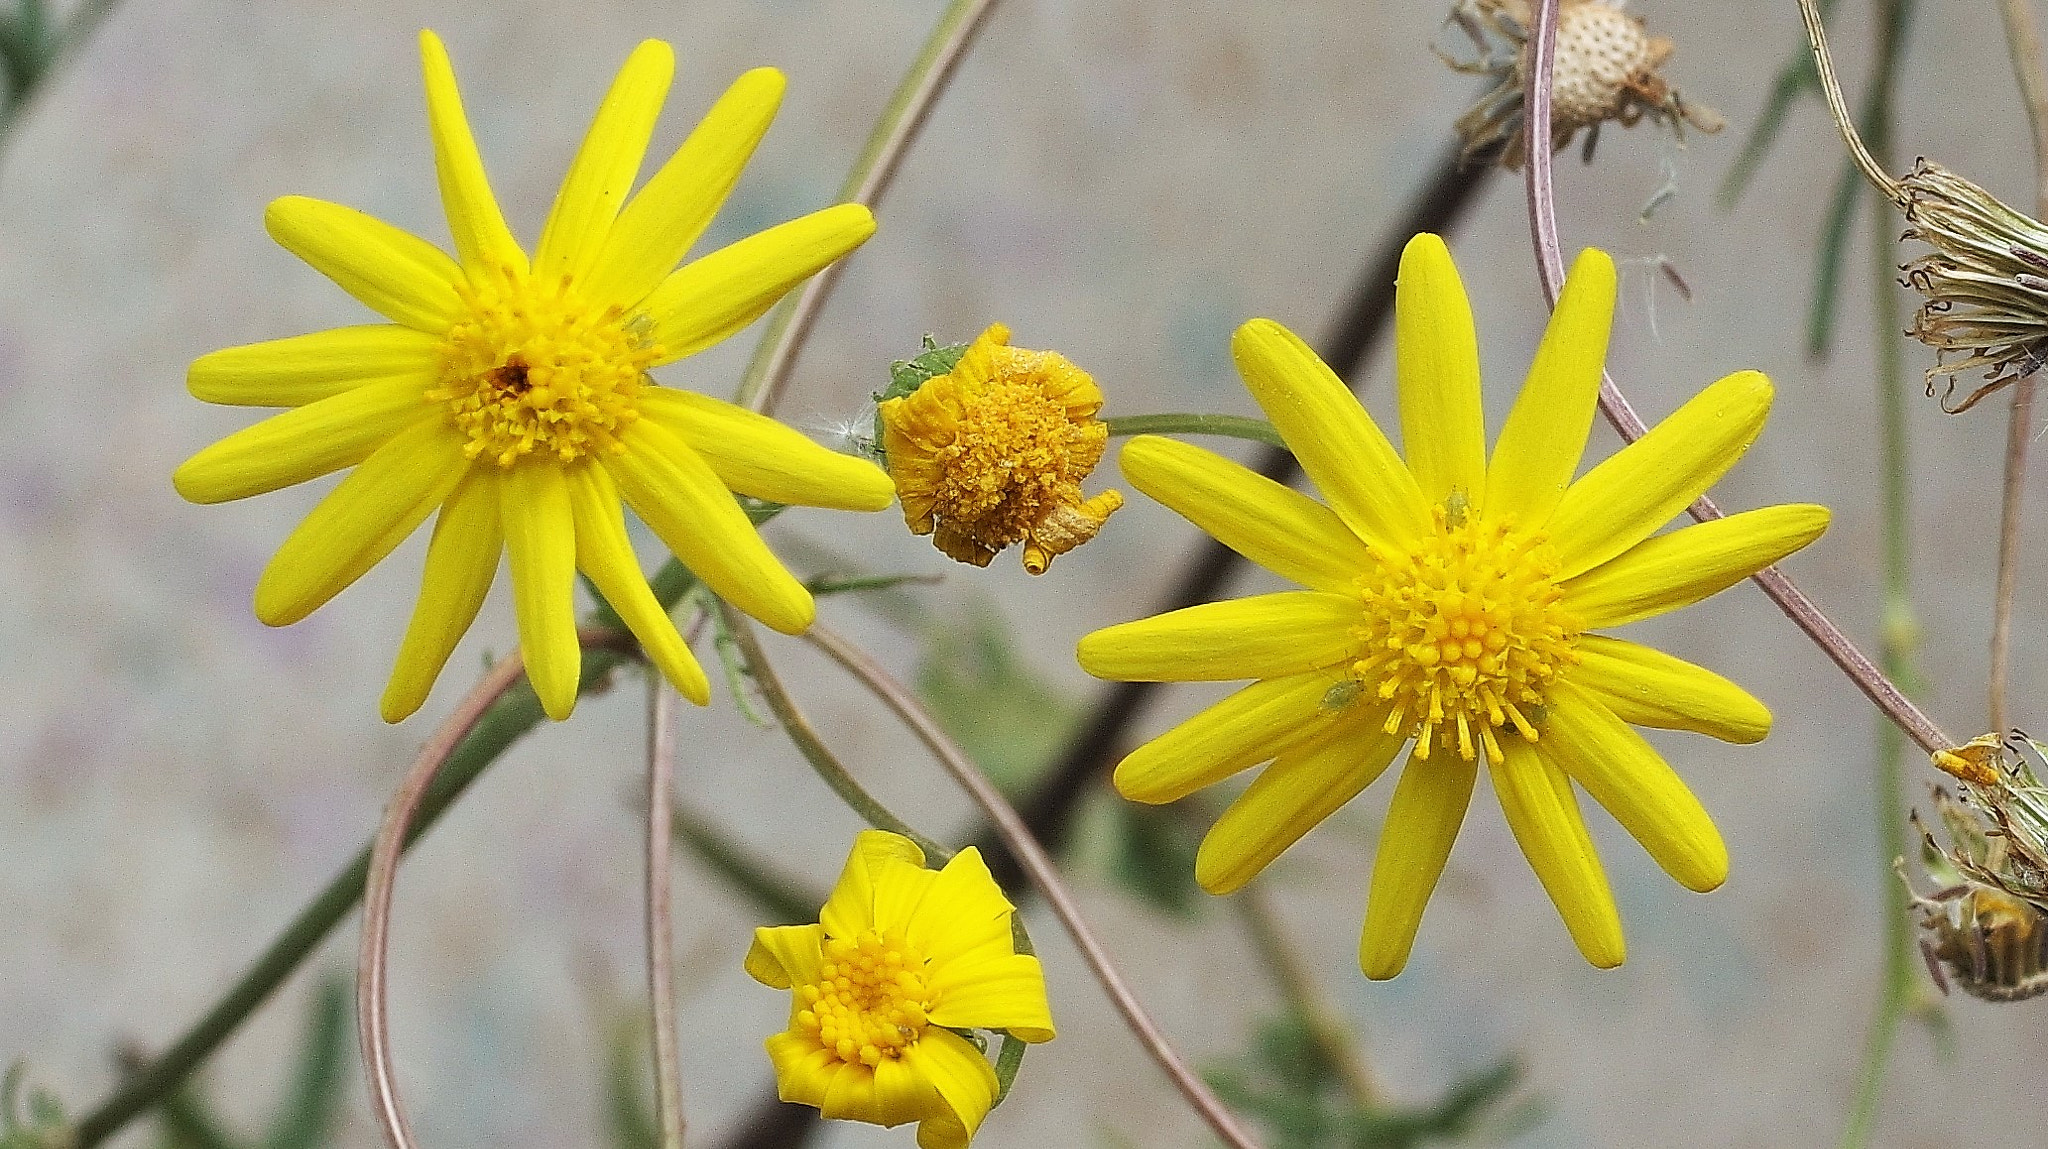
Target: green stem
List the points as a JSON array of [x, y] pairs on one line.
[[805, 737], [1896, 989], [782, 899], [1233, 426]]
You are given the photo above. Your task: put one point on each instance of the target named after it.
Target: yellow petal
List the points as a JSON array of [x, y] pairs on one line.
[[1007, 992], [462, 560], [852, 1097], [306, 443], [757, 456], [1245, 729], [605, 166], [1340, 448], [1681, 568], [1302, 787], [678, 496], [482, 240], [851, 907], [1428, 808], [307, 368], [660, 224], [1280, 529], [1628, 777], [785, 956], [965, 1081], [713, 297], [1645, 687], [1626, 499], [540, 546], [1265, 636], [1436, 368], [804, 1070], [960, 917], [1539, 448], [902, 1094], [604, 553], [394, 273], [1544, 815], [356, 525]]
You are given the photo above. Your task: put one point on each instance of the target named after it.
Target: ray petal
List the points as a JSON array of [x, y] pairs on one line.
[[1280, 529], [540, 547], [1436, 368], [307, 368], [1415, 842], [605, 553], [394, 273], [482, 241], [678, 496], [383, 500], [1626, 775], [1545, 435], [851, 908], [305, 443], [659, 225], [462, 561], [1249, 727], [756, 455], [1544, 814], [1628, 497], [1302, 787], [605, 166], [713, 297], [786, 956], [1265, 636], [965, 1081], [1646, 687], [1340, 448], [1676, 570]]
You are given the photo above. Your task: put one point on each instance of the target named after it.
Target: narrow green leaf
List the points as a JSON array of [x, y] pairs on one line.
[[1827, 263], [312, 1106]]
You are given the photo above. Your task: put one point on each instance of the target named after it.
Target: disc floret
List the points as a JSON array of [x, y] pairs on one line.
[[873, 999]]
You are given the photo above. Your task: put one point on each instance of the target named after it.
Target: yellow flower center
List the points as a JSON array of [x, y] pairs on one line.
[[1463, 634], [531, 367], [872, 1000]]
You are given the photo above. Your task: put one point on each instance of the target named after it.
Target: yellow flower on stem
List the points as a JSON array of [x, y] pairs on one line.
[[900, 958], [510, 393], [1450, 604], [994, 451]]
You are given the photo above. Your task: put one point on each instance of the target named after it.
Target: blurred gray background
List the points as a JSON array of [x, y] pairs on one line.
[[1119, 180]]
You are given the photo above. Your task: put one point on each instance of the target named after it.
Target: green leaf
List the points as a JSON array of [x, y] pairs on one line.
[[311, 1110], [907, 375], [628, 1111], [1796, 77], [784, 901], [1827, 261]]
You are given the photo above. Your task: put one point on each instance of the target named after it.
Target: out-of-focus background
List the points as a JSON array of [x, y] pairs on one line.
[[1120, 180]]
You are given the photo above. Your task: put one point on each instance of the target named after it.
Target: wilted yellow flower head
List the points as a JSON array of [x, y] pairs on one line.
[[1985, 916], [901, 958], [993, 451], [510, 395], [1450, 605], [1607, 69]]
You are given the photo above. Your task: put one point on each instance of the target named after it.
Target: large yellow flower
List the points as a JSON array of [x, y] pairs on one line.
[[901, 957], [1450, 603], [511, 393]]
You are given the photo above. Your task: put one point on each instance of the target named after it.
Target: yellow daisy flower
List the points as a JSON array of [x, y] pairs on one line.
[[1450, 602], [994, 451], [511, 393], [900, 959]]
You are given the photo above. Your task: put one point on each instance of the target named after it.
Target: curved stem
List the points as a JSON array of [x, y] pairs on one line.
[[1043, 874], [1230, 426], [768, 372], [1876, 686], [373, 1029], [805, 737], [661, 975], [1831, 91]]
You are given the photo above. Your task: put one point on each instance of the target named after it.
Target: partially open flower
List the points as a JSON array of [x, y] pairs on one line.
[[993, 451], [1607, 69]]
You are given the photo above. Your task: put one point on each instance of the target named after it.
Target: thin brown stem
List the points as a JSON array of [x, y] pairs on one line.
[[1306, 998], [661, 974], [1881, 691], [870, 178], [373, 1029], [1039, 866], [2023, 44]]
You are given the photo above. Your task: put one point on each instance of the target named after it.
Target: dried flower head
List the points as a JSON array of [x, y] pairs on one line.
[[1607, 69], [988, 445], [1989, 935]]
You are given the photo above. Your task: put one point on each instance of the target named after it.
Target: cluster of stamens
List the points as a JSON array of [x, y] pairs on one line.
[[872, 999], [532, 368], [1463, 634]]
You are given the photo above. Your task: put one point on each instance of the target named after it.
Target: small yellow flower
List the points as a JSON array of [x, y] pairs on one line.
[[511, 393], [901, 957], [993, 453], [1450, 604]]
